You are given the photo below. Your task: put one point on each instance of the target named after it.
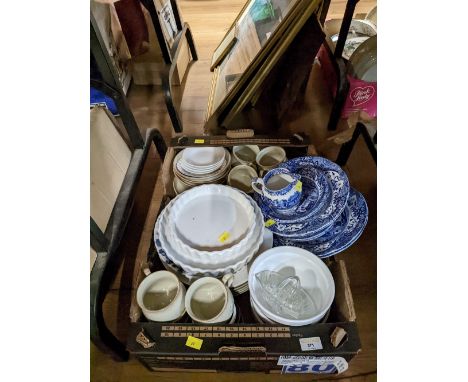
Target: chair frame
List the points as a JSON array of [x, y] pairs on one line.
[[106, 244]]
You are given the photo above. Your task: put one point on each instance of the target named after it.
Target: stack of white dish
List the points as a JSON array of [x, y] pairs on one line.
[[210, 230], [314, 281], [200, 165]]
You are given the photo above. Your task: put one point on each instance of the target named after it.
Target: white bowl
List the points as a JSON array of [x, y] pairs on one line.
[[203, 156], [193, 179], [314, 275], [261, 317], [192, 272], [200, 258], [211, 217], [190, 257]]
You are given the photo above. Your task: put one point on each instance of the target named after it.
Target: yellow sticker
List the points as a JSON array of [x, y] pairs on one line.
[[269, 223], [193, 342], [199, 141], [298, 186], [224, 236]]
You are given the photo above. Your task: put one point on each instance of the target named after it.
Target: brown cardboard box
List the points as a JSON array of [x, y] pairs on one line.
[[247, 345]]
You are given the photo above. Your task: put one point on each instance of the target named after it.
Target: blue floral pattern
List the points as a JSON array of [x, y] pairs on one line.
[[332, 186], [285, 198], [356, 222]]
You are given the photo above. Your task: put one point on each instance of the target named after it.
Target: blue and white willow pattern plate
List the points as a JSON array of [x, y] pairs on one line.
[[312, 222], [358, 216]]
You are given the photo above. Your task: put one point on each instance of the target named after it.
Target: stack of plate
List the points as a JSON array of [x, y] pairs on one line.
[[200, 165], [330, 217], [211, 230]]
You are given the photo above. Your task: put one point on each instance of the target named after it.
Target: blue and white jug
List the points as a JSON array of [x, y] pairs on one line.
[[281, 188]]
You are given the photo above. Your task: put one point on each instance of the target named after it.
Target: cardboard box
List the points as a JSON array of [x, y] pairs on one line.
[[246, 345]]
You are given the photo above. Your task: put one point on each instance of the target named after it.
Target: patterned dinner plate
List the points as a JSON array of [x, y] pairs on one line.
[[358, 216], [315, 221]]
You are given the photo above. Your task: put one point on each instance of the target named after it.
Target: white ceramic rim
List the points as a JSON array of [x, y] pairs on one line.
[[199, 180], [219, 190], [189, 256], [178, 162], [147, 280], [261, 316], [197, 272], [299, 251], [217, 150], [199, 170], [180, 260], [242, 285]]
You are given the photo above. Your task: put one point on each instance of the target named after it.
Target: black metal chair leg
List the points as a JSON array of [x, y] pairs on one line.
[[103, 338], [191, 44], [169, 100], [347, 148], [341, 94], [159, 143], [346, 23]]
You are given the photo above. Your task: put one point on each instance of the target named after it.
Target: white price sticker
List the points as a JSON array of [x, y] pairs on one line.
[[310, 343], [313, 365]]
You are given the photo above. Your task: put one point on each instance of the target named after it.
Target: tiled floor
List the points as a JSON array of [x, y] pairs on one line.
[[209, 20]]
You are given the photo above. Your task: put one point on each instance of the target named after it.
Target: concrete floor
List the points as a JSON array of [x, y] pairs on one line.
[[149, 109]]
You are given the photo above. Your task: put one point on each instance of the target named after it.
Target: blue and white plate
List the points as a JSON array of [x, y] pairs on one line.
[[323, 242], [314, 222], [358, 216]]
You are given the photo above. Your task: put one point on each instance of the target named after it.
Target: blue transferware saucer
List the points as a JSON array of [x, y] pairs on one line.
[[358, 216], [314, 223]]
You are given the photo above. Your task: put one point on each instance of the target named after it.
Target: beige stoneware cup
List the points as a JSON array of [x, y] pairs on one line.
[[241, 177], [161, 297], [244, 154], [209, 301], [269, 158]]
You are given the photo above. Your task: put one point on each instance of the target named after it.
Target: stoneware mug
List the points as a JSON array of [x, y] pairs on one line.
[[241, 177], [244, 154], [270, 157], [280, 188], [161, 297], [209, 301]]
